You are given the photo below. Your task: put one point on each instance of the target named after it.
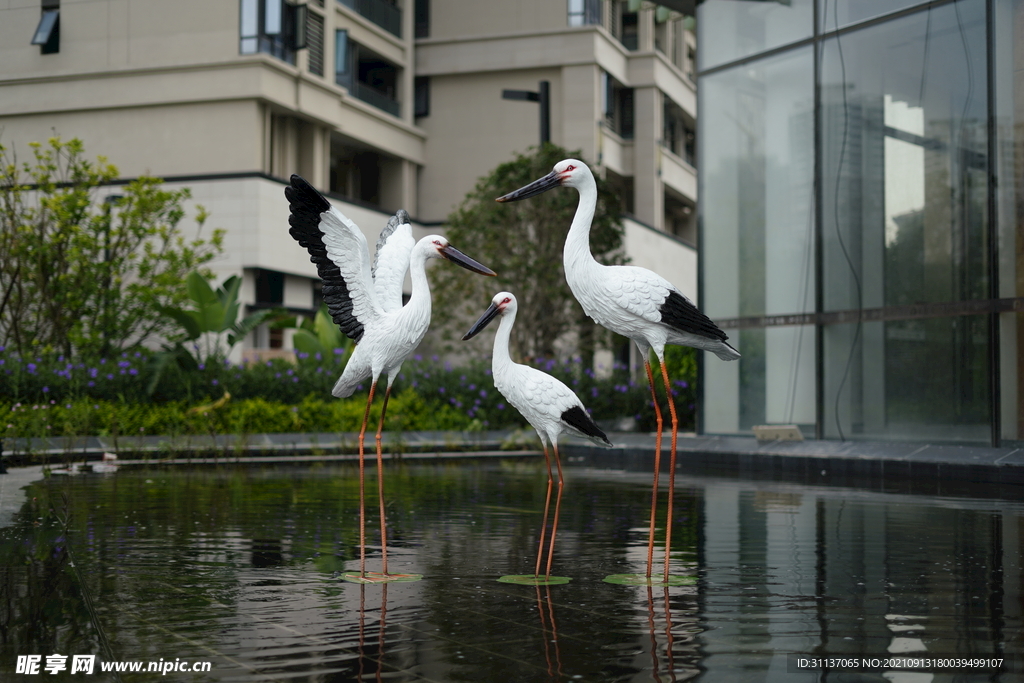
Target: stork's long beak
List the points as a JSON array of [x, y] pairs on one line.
[[533, 189], [490, 314], [458, 258]]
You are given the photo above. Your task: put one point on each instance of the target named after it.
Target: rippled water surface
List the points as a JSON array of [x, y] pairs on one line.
[[240, 567]]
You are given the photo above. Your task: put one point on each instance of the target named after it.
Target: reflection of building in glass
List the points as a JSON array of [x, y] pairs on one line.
[[859, 218]]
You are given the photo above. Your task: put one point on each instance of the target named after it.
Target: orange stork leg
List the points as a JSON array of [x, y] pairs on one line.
[[671, 466], [547, 504], [362, 485], [558, 506], [380, 484], [657, 468]]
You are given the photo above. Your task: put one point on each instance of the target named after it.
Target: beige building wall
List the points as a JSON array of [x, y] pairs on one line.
[[488, 18], [471, 130], [99, 36], [161, 87], [470, 59], [164, 141]]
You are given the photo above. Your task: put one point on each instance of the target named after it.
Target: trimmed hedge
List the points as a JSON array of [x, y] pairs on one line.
[[407, 411]]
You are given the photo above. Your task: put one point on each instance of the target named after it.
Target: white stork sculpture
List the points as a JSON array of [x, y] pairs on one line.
[[366, 304], [634, 302], [548, 405]]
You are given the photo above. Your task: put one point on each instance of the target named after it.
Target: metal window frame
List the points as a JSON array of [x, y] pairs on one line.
[[47, 29]]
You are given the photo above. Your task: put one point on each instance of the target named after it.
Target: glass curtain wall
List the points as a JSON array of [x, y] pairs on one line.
[[757, 194], [852, 242], [1008, 130], [735, 29], [904, 164]]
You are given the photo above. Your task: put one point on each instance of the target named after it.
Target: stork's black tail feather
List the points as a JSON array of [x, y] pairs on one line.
[[680, 313], [577, 418]]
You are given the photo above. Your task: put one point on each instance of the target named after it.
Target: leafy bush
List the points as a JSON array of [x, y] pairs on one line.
[[85, 273]]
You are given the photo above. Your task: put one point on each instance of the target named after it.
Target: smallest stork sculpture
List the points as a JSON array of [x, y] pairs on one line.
[[548, 405], [366, 303]]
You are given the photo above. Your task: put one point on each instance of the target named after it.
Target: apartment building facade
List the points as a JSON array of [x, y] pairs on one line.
[[383, 104]]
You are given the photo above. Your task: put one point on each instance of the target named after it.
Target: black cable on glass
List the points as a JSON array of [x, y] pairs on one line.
[[839, 233], [924, 61]]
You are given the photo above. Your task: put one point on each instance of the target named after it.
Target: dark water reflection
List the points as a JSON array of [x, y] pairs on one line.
[[240, 567]]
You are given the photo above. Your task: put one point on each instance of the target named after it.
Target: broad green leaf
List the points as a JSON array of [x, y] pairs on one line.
[[187, 320], [211, 317], [306, 342], [327, 332], [230, 316], [228, 291], [199, 290]]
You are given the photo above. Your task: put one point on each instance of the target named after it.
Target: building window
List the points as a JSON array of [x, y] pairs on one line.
[[584, 12], [366, 75], [628, 26], [680, 217], [269, 287], [272, 26], [421, 96], [47, 35], [678, 43], [662, 35], [356, 173], [422, 17], [679, 135], [384, 13], [618, 107], [342, 59]]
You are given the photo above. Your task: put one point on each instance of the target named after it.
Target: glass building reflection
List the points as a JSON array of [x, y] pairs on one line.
[[821, 572], [860, 175]]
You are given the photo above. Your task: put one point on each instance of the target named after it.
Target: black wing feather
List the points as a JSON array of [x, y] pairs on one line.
[[306, 206], [676, 311], [578, 418]]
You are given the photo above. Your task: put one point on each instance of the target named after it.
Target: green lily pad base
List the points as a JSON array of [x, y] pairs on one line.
[[644, 580], [377, 577], [534, 580]]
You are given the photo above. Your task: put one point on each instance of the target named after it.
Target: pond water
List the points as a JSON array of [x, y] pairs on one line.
[[239, 568]]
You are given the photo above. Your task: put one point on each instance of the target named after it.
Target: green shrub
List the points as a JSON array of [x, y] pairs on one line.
[[48, 395]]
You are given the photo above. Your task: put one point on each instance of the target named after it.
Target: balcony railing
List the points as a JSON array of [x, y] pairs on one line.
[[380, 12], [376, 98]]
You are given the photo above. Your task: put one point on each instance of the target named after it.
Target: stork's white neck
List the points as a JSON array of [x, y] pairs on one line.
[[419, 297], [501, 359], [576, 254]]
